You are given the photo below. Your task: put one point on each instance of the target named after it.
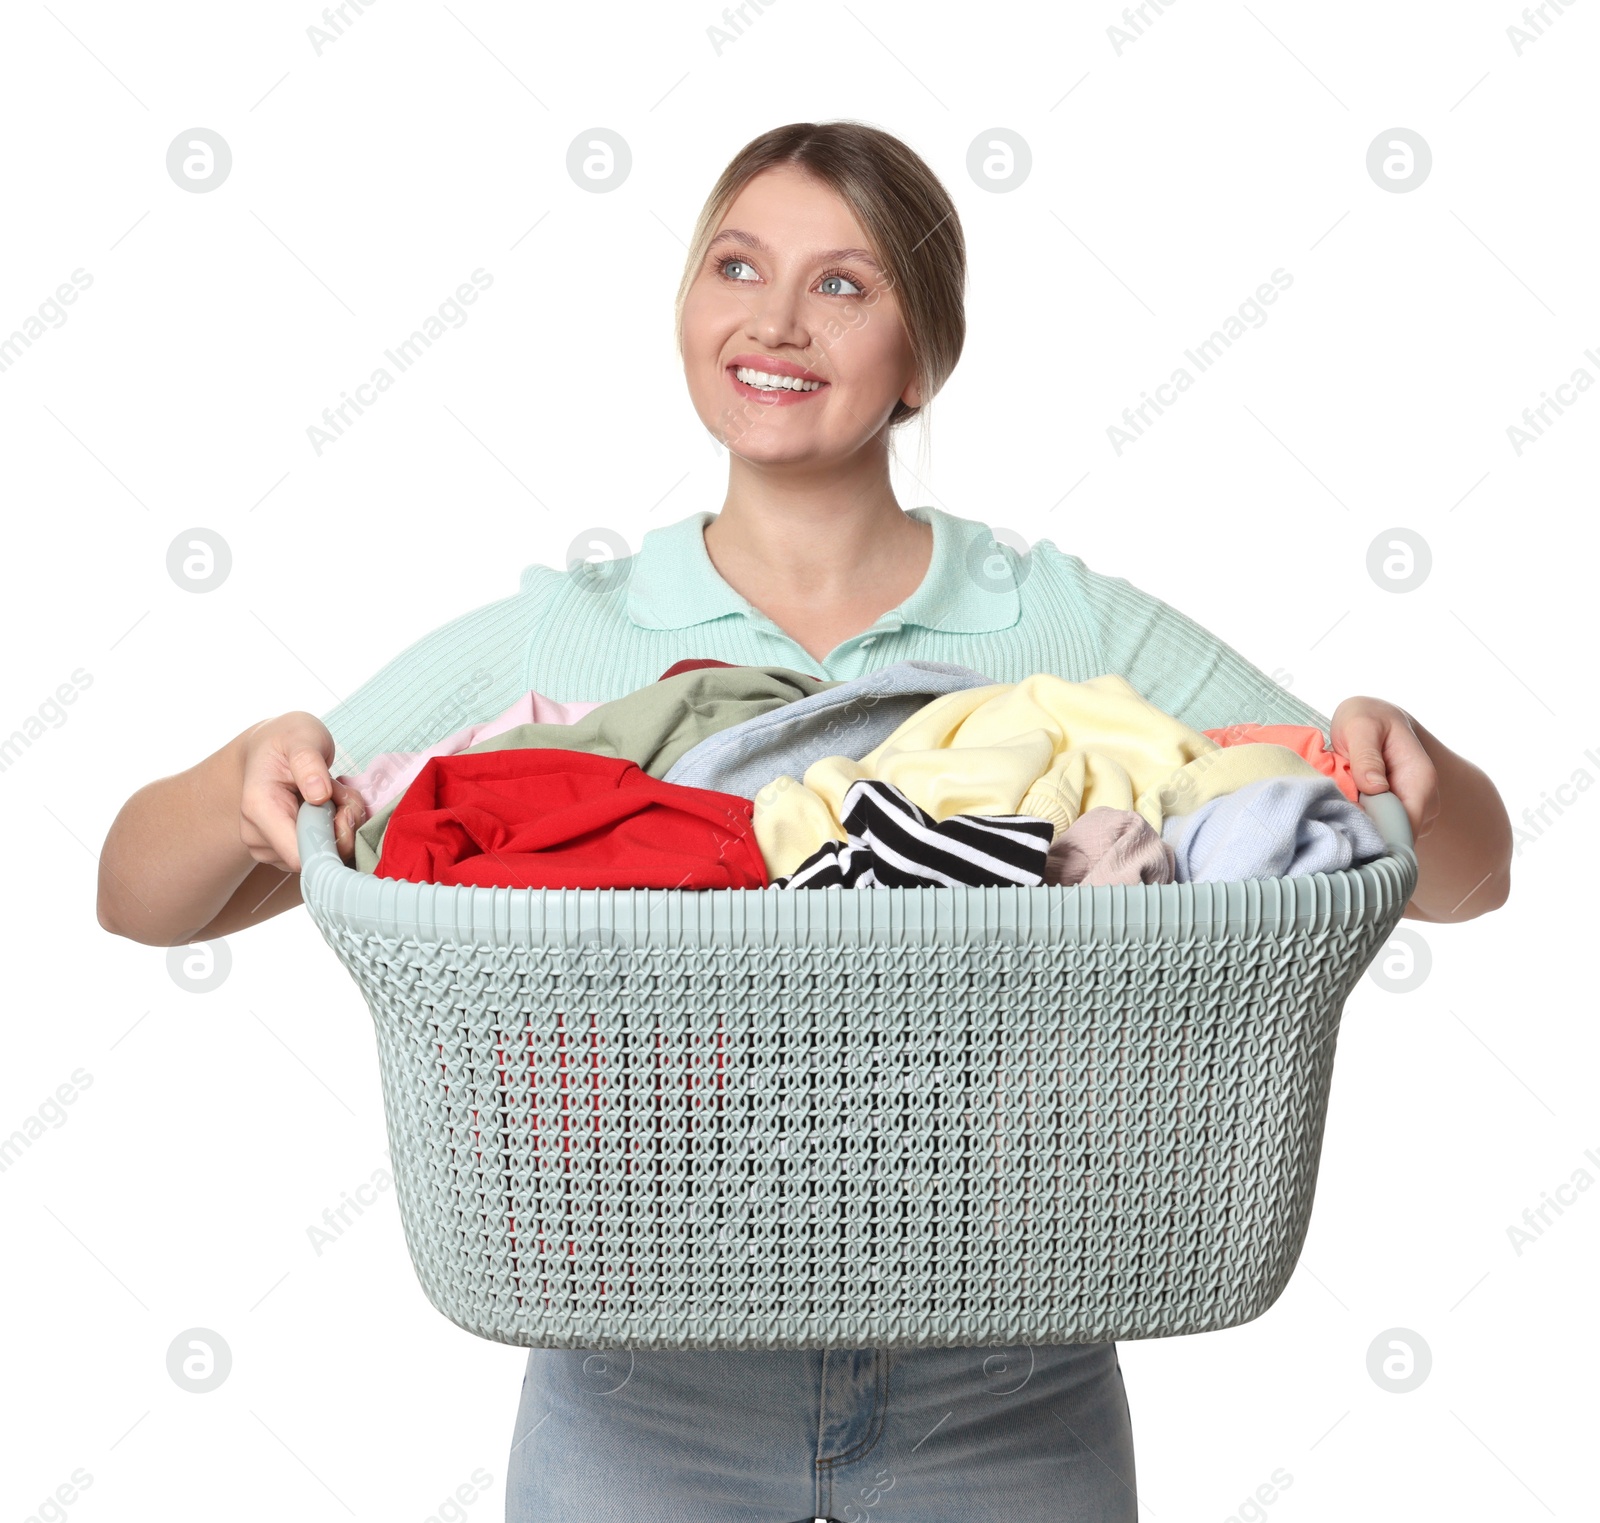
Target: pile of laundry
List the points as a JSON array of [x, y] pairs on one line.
[[921, 773]]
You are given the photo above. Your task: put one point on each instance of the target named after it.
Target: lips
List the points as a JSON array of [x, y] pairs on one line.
[[781, 396], [766, 363]]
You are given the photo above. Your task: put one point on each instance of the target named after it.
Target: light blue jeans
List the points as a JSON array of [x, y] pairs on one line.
[[1025, 1435]]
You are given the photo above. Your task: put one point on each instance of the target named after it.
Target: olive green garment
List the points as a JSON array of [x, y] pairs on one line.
[[651, 727]]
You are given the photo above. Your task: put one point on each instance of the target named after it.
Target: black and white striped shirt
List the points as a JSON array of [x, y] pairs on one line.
[[895, 844]]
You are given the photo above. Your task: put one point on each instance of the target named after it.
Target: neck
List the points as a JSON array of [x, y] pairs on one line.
[[819, 533], [816, 527], [824, 494]]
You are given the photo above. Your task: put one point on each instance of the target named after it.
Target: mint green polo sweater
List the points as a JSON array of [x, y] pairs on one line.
[[604, 629]]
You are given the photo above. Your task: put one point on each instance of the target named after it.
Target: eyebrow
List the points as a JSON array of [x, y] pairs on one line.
[[824, 256]]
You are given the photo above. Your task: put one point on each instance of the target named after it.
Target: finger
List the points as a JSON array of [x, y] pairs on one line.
[[346, 797], [1414, 778], [346, 823], [273, 810], [311, 777], [1362, 741], [349, 817], [259, 847]]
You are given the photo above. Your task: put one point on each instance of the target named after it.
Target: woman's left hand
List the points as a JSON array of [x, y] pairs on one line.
[[1386, 754]]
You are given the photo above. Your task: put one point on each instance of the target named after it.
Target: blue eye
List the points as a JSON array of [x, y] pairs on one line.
[[834, 283]]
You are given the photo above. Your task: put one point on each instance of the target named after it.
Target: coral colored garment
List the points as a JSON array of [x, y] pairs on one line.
[[1043, 746], [551, 818], [1303, 740], [387, 776], [1105, 845]]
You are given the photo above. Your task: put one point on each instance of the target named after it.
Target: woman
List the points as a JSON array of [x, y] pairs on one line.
[[820, 307]]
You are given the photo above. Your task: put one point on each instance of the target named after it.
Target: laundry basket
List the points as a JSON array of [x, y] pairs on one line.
[[854, 1118]]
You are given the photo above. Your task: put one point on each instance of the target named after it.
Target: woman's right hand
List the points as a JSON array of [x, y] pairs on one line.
[[286, 760]]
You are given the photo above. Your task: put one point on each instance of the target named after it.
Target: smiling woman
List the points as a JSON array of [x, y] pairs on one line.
[[786, 240], [820, 309]]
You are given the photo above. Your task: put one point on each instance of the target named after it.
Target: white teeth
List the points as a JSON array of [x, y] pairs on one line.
[[764, 382]]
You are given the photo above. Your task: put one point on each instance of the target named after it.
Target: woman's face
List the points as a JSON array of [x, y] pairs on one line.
[[789, 290]]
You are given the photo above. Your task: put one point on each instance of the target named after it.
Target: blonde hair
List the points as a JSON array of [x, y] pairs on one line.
[[908, 215]]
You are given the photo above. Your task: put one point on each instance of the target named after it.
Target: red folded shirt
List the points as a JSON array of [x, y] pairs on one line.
[[545, 817], [693, 665]]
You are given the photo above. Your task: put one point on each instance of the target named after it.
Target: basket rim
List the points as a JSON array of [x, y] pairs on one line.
[[337, 893]]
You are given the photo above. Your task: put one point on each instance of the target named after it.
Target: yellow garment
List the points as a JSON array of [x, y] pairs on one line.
[[1043, 746]]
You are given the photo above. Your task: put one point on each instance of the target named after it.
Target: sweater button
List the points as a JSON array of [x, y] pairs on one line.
[[868, 641]]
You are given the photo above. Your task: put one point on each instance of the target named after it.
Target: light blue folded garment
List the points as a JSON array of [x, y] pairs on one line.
[[849, 719], [1276, 827]]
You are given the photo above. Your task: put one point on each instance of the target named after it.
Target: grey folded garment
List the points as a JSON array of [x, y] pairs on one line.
[[1275, 827], [848, 719]]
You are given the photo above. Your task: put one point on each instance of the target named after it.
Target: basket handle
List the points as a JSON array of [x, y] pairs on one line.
[[1383, 809], [313, 834]]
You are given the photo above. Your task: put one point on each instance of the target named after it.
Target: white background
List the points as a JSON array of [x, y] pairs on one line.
[[1168, 181]]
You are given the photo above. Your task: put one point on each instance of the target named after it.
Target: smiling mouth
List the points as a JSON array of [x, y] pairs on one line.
[[762, 381], [763, 384]]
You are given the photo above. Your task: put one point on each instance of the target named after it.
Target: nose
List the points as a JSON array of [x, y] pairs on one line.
[[776, 319]]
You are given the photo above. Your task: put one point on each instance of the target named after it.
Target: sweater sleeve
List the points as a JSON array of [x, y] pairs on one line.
[[1180, 667], [465, 671]]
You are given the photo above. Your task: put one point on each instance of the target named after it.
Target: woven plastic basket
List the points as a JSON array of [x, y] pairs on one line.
[[855, 1117]]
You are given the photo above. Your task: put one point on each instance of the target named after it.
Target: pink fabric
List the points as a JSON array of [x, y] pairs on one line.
[[389, 775], [1106, 845], [1304, 740]]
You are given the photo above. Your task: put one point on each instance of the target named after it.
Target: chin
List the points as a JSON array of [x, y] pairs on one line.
[[775, 455], [756, 439]]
